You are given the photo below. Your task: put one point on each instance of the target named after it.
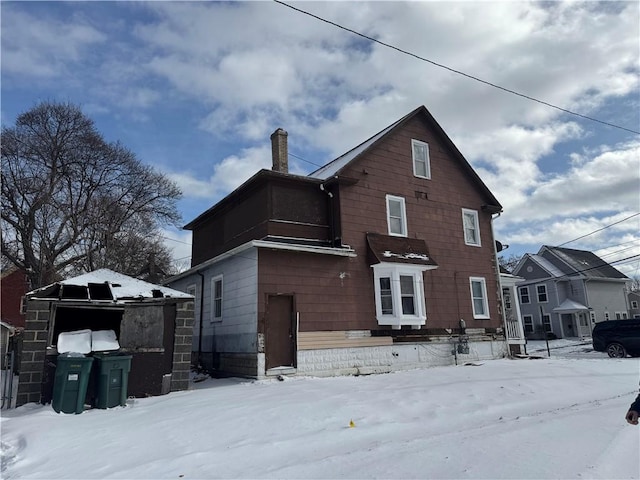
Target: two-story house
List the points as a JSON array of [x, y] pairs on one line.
[[566, 291], [381, 260]]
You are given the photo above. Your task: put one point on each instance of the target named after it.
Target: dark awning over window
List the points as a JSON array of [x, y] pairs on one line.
[[388, 249]]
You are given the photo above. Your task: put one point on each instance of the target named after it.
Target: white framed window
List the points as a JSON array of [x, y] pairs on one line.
[[618, 316], [396, 216], [478, 287], [546, 322], [421, 163], [528, 323], [506, 296], [606, 315], [524, 295], [471, 227], [624, 316], [593, 317], [216, 298], [399, 294], [542, 293], [634, 304]]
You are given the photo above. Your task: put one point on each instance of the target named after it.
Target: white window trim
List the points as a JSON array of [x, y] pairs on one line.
[[483, 282], [593, 317], [520, 290], [394, 271], [214, 280], [545, 317], [634, 304], [546, 293], [476, 227], [428, 159], [606, 316], [404, 216]]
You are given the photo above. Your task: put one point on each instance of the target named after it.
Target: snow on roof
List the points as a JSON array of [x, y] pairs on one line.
[[547, 265], [122, 287]]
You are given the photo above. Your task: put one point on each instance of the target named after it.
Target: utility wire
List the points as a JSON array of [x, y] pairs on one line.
[[307, 161], [456, 71], [600, 229]]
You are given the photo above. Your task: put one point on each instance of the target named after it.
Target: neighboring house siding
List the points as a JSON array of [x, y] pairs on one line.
[[531, 270], [14, 285], [608, 296], [536, 309], [433, 211]]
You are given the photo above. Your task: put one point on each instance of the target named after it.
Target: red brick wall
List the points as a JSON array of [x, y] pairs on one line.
[[13, 287]]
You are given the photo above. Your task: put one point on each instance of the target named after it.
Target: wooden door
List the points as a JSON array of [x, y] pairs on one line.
[[280, 331]]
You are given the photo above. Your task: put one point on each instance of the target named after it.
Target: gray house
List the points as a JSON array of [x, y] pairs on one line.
[[566, 291]]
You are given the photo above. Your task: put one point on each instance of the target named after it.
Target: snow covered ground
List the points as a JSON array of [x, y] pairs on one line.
[[549, 418]]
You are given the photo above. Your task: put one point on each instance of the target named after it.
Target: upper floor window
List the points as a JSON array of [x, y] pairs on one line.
[[216, 299], [399, 294], [479, 297], [542, 293], [524, 294], [421, 164], [634, 304], [396, 216], [471, 227]]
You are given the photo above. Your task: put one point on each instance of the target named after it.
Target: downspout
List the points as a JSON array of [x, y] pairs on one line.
[[500, 296], [200, 319], [332, 229]]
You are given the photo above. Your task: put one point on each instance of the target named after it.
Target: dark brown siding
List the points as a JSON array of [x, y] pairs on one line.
[[276, 207], [324, 300], [387, 169]]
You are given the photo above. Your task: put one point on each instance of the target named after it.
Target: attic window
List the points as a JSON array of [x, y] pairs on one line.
[[420, 154]]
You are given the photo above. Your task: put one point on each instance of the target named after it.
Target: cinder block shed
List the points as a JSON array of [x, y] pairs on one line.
[[153, 324]]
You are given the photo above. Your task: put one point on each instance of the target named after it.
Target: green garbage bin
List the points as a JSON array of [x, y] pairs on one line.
[[112, 377], [70, 383]]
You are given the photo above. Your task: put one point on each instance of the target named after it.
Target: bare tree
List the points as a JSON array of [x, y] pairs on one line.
[[509, 262], [70, 198]]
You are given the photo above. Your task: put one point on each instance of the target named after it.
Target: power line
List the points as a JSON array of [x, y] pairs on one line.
[[307, 161], [600, 229], [456, 71]]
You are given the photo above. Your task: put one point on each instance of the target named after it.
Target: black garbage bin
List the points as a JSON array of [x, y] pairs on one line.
[[111, 373], [70, 384]]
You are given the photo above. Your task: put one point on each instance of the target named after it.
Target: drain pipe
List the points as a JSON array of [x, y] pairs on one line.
[[500, 296], [200, 319]]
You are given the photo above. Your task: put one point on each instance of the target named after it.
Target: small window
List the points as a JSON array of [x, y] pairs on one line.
[[396, 216], [506, 296], [546, 322], [593, 317], [216, 299], [606, 315], [524, 294], [421, 164], [528, 323], [471, 227], [479, 297], [23, 305], [624, 316], [542, 293], [634, 304], [618, 316]]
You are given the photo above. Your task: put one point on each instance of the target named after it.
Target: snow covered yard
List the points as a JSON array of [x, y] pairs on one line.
[[551, 418]]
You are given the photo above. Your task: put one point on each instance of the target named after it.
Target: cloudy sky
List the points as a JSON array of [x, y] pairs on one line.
[[197, 88]]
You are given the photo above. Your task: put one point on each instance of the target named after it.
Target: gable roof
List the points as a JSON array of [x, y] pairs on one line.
[[582, 262], [542, 262], [337, 166]]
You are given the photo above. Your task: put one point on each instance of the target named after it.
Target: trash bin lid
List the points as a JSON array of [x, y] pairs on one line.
[[104, 340], [77, 341]]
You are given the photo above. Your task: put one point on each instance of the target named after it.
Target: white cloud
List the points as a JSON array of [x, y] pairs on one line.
[[41, 47], [228, 174]]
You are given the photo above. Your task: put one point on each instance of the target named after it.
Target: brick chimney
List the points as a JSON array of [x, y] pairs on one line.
[[279, 151]]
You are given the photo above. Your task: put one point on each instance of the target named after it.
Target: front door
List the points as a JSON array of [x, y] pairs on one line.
[[280, 332]]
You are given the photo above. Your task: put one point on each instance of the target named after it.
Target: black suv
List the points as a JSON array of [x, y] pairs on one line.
[[618, 338]]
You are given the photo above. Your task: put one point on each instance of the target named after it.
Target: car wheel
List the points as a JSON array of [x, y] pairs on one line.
[[615, 350]]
